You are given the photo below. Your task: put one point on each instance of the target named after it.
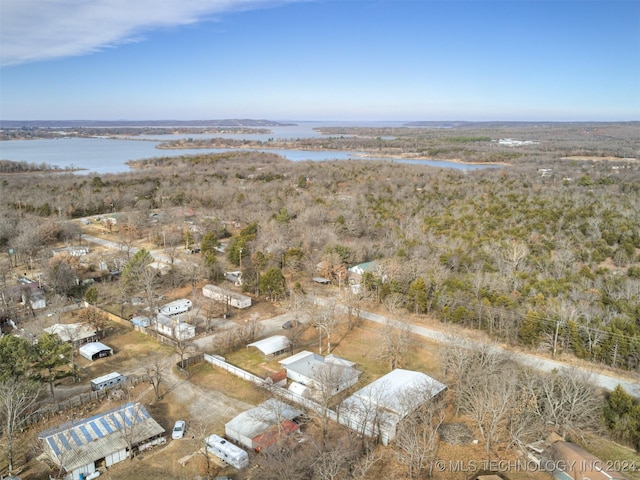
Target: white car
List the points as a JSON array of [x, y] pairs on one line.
[[178, 430]]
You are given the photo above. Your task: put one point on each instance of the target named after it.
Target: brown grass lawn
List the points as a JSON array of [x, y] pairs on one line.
[[361, 344]]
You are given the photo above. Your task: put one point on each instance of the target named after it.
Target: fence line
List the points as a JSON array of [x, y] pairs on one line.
[[138, 328]]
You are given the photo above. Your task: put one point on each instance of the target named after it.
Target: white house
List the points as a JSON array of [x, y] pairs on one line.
[[174, 328], [378, 408], [321, 374], [258, 427], [80, 446], [220, 294]]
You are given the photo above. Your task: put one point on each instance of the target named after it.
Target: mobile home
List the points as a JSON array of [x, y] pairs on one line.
[[177, 306], [227, 451], [107, 381], [219, 294]]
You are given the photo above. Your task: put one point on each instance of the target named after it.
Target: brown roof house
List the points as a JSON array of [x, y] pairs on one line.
[[567, 461]]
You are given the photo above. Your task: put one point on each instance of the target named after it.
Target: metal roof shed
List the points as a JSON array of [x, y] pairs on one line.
[[271, 345], [393, 396], [95, 350], [77, 446], [247, 427]]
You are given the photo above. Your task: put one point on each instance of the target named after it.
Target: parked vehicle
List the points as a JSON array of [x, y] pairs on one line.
[[227, 451], [178, 430]]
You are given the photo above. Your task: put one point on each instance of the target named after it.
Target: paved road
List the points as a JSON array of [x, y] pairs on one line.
[[606, 381]]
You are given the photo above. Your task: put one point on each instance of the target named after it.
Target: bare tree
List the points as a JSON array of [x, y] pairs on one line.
[[568, 401], [488, 400], [417, 438], [182, 347], [155, 373], [200, 430], [17, 399], [396, 341], [325, 321]]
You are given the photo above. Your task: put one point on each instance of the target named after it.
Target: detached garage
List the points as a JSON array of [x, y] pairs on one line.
[[94, 350]]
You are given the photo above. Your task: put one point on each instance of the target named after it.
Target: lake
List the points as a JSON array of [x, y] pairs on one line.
[[105, 155]]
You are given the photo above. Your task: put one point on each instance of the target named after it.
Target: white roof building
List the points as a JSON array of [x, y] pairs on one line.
[[378, 408], [271, 345]]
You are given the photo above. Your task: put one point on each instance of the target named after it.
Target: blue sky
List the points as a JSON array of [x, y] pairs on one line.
[[320, 59]]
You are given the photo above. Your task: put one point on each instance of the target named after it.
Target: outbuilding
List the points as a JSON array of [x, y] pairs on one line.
[[273, 345], [79, 447], [378, 408], [94, 350], [254, 428], [141, 321]]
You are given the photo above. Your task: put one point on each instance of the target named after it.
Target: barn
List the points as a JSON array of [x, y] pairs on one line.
[[81, 446], [94, 350], [388, 400]]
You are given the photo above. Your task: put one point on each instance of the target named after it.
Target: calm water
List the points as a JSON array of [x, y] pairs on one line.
[[103, 155]]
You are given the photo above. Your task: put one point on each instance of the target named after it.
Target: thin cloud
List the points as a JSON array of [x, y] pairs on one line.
[[35, 30]]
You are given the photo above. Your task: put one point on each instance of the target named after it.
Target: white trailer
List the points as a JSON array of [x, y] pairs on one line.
[[107, 381], [227, 451], [177, 306], [220, 294]]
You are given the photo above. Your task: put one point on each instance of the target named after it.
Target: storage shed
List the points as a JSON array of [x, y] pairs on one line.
[[79, 447], [253, 428], [95, 350], [141, 321]]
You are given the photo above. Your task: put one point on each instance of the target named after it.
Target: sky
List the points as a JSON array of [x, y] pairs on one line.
[[349, 60]]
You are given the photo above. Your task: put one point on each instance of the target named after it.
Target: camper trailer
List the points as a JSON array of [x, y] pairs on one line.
[[177, 306], [227, 451], [107, 381]]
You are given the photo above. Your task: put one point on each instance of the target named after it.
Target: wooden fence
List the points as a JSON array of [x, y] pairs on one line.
[[79, 400]]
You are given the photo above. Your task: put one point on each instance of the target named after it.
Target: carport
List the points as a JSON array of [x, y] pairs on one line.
[[272, 345], [94, 350]]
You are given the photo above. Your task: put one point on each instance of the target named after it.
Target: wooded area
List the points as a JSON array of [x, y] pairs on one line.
[[543, 253]]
